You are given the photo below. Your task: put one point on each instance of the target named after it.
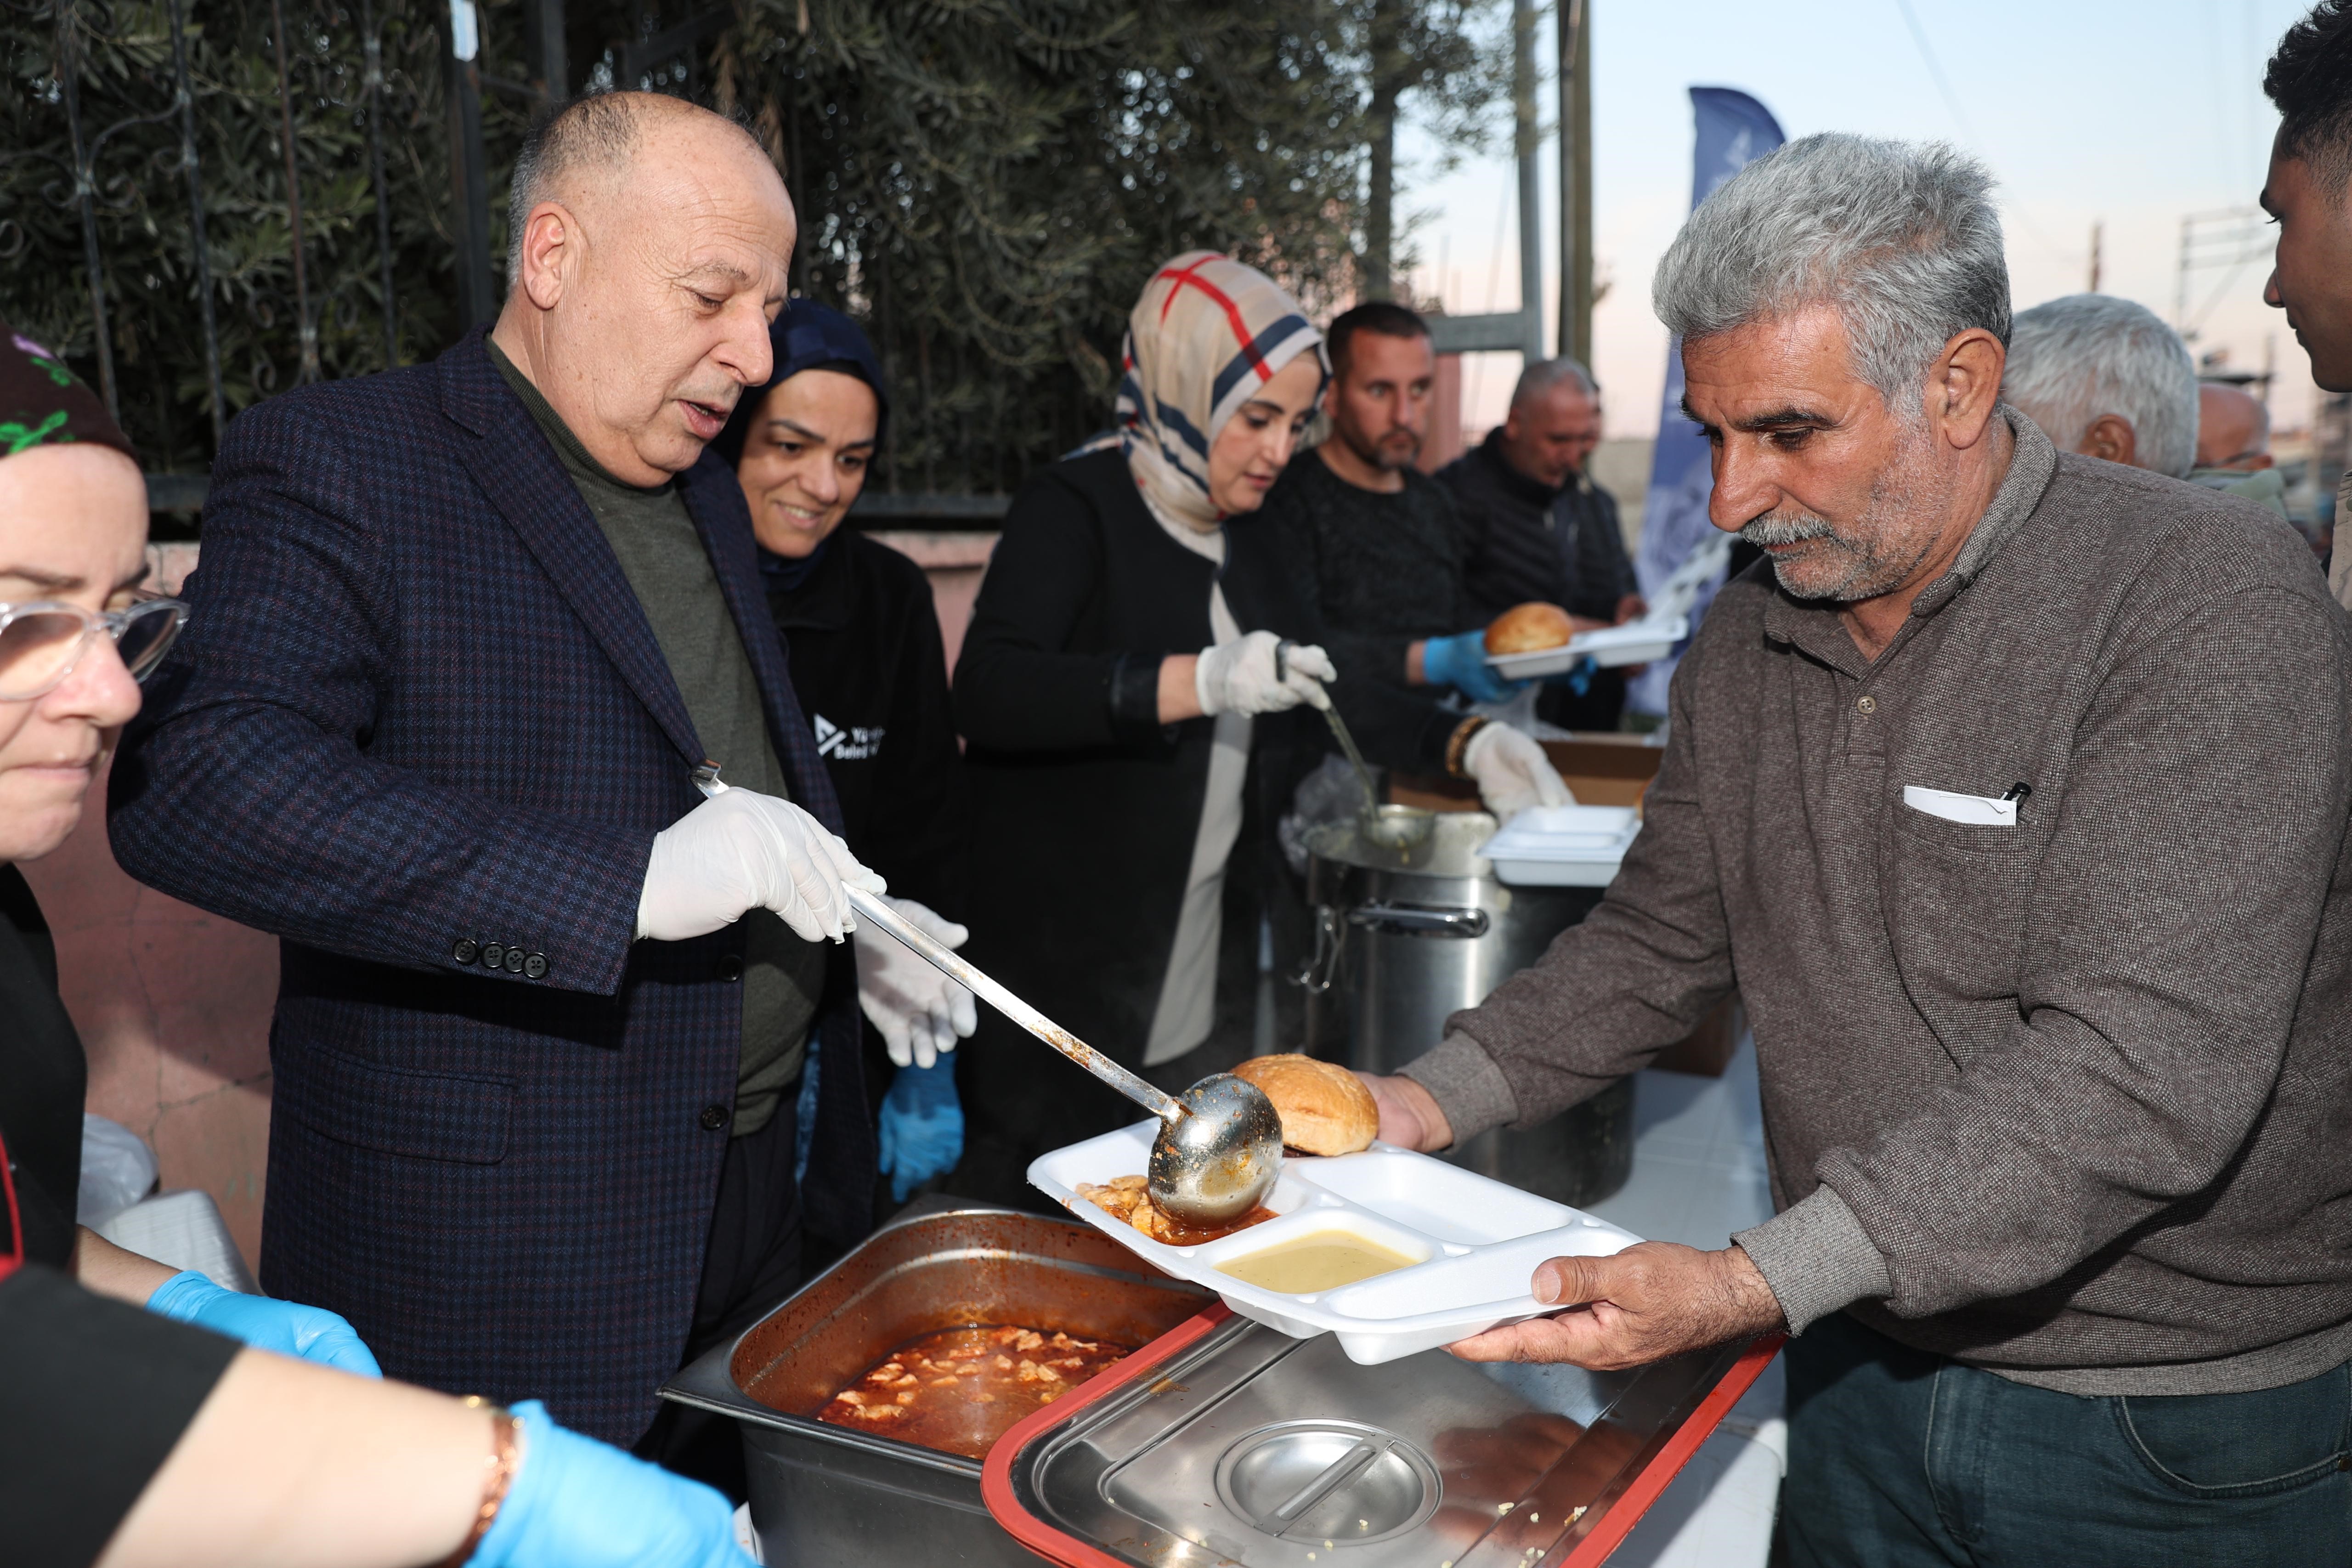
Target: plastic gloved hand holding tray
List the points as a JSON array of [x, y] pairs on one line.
[[1469, 1245]]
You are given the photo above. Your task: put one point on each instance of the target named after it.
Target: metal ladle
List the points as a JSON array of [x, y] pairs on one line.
[[1219, 1147], [1400, 828]]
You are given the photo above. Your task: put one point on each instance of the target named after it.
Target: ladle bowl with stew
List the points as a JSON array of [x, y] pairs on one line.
[[1220, 1144]]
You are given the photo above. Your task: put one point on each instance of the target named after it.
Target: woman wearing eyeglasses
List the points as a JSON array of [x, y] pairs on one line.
[[127, 1437]]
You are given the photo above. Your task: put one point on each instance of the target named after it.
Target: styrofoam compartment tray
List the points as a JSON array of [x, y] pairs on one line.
[[1479, 1242], [1637, 642], [1563, 845]]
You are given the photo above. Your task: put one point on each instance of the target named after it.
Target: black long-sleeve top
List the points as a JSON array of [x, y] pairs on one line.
[[1379, 569], [871, 676], [93, 1393], [1085, 806]]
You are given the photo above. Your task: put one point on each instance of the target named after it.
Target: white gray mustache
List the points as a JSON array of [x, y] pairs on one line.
[[1786, 530]]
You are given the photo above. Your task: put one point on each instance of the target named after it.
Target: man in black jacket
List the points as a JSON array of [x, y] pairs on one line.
[[1366, 536], [1530, 524]]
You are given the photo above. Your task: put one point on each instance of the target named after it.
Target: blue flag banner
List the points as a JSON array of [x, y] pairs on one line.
[[1734, 130]]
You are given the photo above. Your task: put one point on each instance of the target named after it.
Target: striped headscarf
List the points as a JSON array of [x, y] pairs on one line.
[[1208, 332]]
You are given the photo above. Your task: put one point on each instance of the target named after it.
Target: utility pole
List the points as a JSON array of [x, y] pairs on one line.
[[1520, 331], [2099, 232], [469, 185], [1525, 143], [1575, 39]]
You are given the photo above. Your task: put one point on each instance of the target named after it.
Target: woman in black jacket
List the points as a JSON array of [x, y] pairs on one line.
[[1134, 689], [862, 636]]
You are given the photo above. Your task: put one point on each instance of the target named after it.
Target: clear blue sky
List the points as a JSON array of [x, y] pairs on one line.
[[2132, 112]]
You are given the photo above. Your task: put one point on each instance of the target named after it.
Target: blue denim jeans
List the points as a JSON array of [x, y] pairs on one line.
[[1899, 1459]]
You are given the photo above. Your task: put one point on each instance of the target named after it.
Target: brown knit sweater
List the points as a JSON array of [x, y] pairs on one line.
[[2069, 1099]]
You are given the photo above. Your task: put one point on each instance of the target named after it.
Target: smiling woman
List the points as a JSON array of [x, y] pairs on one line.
[[867, 662]]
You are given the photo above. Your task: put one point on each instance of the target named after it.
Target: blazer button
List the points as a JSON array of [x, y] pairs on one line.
[[731, 968], [535, 966], [465, 950], [714, 1117], [514, 960], [494, 956]]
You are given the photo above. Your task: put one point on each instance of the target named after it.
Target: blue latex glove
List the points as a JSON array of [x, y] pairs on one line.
[[266, 1323], [923, 1127], [576, 1503], [1460, 662], [1578, 679]]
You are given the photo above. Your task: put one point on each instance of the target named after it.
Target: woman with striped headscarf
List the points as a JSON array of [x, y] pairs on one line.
[[1132, 691]]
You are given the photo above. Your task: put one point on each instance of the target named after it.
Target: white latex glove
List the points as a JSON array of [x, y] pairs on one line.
[[920, 1010], [1260, 673], [742, 850], [1512, 771]]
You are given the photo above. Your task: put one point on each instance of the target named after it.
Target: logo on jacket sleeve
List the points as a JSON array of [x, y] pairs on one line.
[[846, 743]]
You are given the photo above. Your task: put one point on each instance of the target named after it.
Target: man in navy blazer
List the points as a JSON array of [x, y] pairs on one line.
[[434, 723]]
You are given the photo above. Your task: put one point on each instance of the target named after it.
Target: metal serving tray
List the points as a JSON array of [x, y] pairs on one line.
[[1231, 1442], [824, 1495]]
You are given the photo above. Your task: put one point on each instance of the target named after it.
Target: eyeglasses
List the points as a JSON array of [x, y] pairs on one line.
[[41, 641]]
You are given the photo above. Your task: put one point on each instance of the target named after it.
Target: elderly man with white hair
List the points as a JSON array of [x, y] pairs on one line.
[[2012, 793], [2105, 377]]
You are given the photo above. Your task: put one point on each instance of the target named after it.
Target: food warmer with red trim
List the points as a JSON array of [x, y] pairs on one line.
[[1219, 1442]]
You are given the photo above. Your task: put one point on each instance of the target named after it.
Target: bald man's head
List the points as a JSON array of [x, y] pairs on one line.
[[651, 242], [2233, 428], [590, 142]]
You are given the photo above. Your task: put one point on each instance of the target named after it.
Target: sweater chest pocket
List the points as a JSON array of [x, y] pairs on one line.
[[1957, 903]]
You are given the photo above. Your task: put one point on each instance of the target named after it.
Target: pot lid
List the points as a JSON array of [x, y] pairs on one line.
[[1226, 1441]]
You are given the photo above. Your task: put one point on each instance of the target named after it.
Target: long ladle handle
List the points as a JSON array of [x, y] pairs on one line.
[[944, 959]]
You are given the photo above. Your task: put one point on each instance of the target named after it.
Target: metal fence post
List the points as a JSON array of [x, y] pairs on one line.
[[469, 180], [187, 105], [371, 94], [542, 46], [304, 324], [85, 190]]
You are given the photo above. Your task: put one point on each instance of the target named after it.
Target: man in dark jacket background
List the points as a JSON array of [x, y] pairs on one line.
[[462, 635], [1530, 524]]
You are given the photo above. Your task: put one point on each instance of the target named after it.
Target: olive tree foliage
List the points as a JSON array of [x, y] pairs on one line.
[[988, 185], [144, 216], [985, 184]]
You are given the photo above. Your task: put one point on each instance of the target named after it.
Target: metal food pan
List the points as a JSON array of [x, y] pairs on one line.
[[822, 1495]]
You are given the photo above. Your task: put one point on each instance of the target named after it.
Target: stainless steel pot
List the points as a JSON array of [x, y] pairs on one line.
[[1405, 938], [825, 1495]]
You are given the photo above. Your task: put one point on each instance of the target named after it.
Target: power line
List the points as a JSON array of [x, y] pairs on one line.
[[1936, 71], [1967, 128]]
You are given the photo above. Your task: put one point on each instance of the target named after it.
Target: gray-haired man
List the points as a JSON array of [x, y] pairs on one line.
[[2014, 794], [2107, 378]]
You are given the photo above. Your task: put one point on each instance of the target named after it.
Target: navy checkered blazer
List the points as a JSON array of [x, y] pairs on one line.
[[417, 721]]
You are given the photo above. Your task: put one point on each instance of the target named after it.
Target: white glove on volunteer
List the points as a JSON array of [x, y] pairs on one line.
[[742, 850], [1512, 771], [1260, 673], [920, 1010]]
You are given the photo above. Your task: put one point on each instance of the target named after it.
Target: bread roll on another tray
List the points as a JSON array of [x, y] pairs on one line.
[[1530, 628], [1325, 1110]]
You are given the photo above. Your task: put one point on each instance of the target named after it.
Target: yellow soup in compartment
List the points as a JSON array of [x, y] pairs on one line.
[[1319, 1261]]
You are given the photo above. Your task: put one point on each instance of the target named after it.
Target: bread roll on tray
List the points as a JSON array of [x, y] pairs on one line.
[[1530, 628], [1325, 1110]]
